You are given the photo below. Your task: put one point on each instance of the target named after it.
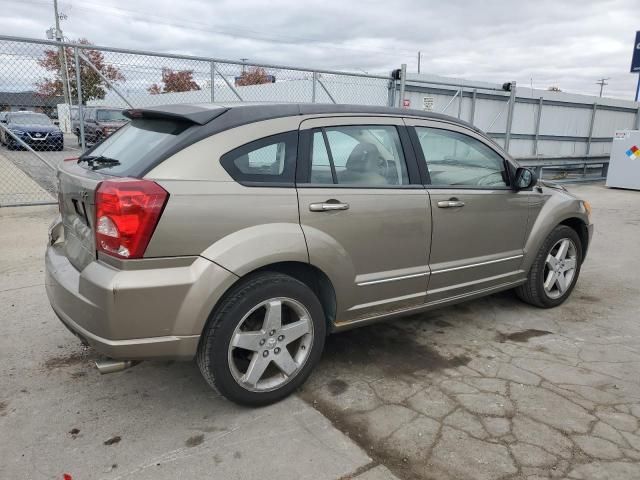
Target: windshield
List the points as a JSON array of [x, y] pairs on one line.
[[29, 119], [134, 143], [111, 116]]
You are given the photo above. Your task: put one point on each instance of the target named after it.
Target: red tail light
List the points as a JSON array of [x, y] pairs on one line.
[[127, 212]]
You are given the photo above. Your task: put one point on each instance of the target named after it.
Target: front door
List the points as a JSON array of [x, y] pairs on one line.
[[364, 213], [479, 221]]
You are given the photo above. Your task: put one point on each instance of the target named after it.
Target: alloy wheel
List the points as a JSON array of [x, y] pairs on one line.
[[560, 268], [271, 344]]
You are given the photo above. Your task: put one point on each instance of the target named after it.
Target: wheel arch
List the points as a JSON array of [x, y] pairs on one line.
[[315, 279], [557, 210], [580, 228], [310, 275]]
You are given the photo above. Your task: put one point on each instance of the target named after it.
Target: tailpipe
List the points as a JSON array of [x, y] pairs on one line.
[[109, 365]]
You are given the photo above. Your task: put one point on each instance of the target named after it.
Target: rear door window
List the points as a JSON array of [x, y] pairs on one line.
[[359, 155]]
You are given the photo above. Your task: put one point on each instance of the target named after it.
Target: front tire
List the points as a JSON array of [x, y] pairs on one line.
[[263, 340], [555, 270]]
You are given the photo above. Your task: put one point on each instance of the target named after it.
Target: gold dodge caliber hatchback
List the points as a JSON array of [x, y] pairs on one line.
[[241, 236]]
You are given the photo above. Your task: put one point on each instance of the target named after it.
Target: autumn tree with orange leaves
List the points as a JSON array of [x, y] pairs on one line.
[[174, 81], [253, 76], [93, 87]]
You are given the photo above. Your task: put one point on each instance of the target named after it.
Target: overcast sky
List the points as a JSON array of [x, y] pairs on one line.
[[565, 43]]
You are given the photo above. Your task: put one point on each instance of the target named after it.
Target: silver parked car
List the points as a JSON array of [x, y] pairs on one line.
[[241, 236]]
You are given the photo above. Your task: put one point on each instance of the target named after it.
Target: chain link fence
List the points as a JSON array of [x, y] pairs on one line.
[[46, 88], [59, 98]]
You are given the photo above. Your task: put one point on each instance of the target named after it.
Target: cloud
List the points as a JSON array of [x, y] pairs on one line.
[[570, 43]]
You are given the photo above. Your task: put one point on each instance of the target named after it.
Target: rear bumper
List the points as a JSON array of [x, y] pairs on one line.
[[137, 314]]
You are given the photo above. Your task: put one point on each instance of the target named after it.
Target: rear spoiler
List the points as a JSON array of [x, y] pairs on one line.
[[181, 113]]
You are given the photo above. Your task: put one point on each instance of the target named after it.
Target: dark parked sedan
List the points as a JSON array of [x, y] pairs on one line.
[[35, 129]]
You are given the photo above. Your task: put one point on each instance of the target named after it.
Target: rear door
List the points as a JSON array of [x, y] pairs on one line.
[[479, 221], [364, 213]]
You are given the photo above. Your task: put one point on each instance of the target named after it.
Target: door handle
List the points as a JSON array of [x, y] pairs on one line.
[[328, 206], [451, 203]]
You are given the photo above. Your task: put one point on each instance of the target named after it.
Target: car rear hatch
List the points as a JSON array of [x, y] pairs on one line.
[[76, 197], [129, 152]]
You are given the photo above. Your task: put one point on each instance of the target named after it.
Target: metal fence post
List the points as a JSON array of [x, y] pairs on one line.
[[212, 73], [591, 124], [403, 81], [473, 106], [537, 127], [392, 86], [512, 103], [460, 103], [636, 123], [313, 86], [79, 93]]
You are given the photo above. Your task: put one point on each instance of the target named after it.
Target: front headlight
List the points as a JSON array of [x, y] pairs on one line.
[[15, 131], [587, 208]]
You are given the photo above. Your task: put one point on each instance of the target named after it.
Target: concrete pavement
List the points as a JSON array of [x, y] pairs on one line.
[[484, 390], [158, 420]]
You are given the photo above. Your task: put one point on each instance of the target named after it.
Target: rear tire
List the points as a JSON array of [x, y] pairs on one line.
[[559, 257], [267, 324]]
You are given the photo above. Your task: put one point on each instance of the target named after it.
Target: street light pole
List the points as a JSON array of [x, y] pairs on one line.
[[61, 56]]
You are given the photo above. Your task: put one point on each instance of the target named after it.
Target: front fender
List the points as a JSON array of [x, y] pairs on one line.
[[547, 211]]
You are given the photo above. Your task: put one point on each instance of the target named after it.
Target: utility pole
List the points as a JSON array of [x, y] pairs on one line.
[[61, 56], [602, 82], [244, 61], [419, 56]]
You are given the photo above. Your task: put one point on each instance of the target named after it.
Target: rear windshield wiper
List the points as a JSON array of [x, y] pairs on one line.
[[96, 162]]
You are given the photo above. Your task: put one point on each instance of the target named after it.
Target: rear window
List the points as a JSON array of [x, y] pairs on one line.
[[136, 143], [267, 161], [111, 116]]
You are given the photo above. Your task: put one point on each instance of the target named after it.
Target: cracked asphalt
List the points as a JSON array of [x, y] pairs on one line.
[[490, 389], [496, 389]]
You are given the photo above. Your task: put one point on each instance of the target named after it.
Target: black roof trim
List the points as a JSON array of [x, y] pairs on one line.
[[210, 119], [189, 113], [236, 115]]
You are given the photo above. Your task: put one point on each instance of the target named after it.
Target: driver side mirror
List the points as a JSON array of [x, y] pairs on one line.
[[524, 179]]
